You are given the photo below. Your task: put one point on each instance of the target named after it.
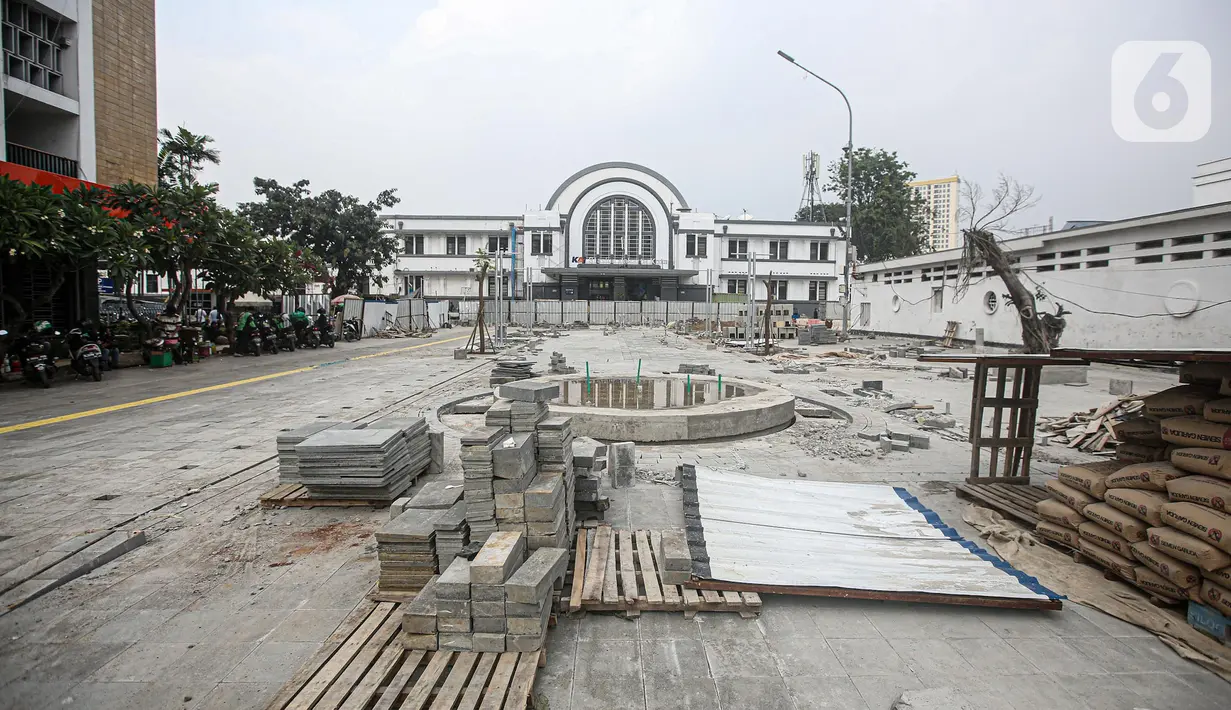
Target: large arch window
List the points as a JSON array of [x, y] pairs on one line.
[[619, 227]]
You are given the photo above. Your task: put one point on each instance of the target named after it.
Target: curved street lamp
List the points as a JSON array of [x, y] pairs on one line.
[[850, 162]]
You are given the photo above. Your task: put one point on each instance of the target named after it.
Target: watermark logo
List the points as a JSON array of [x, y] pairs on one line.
[[1161, 91]]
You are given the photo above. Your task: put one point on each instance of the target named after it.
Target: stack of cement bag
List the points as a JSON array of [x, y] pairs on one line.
[[1153, 522]]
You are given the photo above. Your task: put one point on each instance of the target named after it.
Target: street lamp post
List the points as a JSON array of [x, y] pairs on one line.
[[850, 185]]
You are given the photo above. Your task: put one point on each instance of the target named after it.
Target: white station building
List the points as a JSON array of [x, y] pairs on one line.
[[620, 232]]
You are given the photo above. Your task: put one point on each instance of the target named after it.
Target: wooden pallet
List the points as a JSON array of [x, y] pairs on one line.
[[363, 666], [617, 570], [1016, 501], [295, 495]]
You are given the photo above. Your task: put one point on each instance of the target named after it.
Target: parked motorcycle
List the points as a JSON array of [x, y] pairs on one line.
[[268, 336], [286, 337], [350, 330], [323, 325], [86, 356], [34, 350], [311, 337]]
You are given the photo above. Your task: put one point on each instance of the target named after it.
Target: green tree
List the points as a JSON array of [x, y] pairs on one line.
[[182, 155], [888, 217], [344, 233]]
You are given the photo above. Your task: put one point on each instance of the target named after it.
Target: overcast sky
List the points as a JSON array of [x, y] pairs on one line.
[[486, 106]]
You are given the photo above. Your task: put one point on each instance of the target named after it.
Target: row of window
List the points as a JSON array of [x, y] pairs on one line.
[[1150, 259], [817, 290], [779, 250], [457, 244]]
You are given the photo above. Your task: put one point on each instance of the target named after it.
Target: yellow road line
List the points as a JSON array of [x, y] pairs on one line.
[[211, 388]]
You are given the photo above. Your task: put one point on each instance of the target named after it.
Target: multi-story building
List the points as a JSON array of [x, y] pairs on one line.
[[940, 198], [619, 231], [80, 106]]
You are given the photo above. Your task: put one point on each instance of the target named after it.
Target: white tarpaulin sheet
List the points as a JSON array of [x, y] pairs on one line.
[[762, 531]]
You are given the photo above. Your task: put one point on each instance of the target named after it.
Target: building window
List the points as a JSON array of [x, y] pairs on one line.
[[737, 248], [818, 291], [455, 245], [938, 299], [737, 285], [818, 251], [412, 285], [1156, 259], [1067, 267], [491, 286], [777, 289], [1097, 250], [497, 244], [778, 250], [151, 283], [1096, 264], [695, 245], [1222, 236], [1222, 253], [1070, 254], [620, 227], [1181, 241], [414, 244], [1187, 255], [1152, 244], [32, 47], [1045, 257], [1049, 267], [540, 243]]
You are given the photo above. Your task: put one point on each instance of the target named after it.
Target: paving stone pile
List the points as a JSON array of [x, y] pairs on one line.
[[507, 371], [288, 460], [816, 334], [695, 369], [559, 365], [452, 531], [406, 550], [377, 462], [589, 462], [501, 601], [477, 475]]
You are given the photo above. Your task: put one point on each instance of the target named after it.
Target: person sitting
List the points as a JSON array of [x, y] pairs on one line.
[[322, 320], [301, 321]]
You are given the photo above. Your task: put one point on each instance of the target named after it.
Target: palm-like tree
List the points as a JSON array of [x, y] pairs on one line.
[[182, 154]]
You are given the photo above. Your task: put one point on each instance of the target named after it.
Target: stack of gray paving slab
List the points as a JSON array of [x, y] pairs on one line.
[[817, 334], [500, 601], [589, 462], [510, 371], [555, 461], [378, 462], [436, 448], [559, 365], [695, 369], [452, 531], [499, 414], [288, 460], [529, 402], [478, 476], [452, 534], [406, 549], [513, 468]]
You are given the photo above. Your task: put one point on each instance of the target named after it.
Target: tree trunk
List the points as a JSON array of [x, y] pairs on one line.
[[1034, 338], [132, 309]]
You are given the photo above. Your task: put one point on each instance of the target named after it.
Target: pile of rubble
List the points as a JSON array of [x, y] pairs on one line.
[[828, 439], [1094, 430]]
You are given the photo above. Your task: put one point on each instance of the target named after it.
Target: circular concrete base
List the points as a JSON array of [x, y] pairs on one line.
[[759, 409]]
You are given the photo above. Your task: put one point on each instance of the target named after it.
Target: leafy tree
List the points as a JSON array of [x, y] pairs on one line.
[[339, 229], [182, 155], [887, 215]]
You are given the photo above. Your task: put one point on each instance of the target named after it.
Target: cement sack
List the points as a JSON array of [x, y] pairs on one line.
[[1162, 587], [1104, 538], [1146, 506], [1187, 548], [1056, 533], [1221, 577], [1200, 522], [1204, 372], [1196, 431], [1211, 462], [1138, 431], [1202, 490], [1148, 476], [1089, 477], [1216, 596], [1218, 410], [1177, 401], [1116, 563], [1179, 573], [1126, 526], [1053, 511], [1140, 453], [1225, 386], [1070, 496]]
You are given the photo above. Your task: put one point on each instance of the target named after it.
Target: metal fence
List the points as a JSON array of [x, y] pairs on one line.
[[647, 313]]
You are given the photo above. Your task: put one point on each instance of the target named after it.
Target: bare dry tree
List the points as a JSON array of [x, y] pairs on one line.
[[983, 217]]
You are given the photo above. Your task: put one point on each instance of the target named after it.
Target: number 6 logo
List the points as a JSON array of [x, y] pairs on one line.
[[1161, 91]]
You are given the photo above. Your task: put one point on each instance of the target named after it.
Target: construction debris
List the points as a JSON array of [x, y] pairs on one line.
[[1095, 430]]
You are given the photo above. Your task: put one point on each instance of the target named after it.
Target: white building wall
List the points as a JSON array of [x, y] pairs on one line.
[[1154, 286], [1212, 183]]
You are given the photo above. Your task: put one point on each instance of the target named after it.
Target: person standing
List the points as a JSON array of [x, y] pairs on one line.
[[200, 316]]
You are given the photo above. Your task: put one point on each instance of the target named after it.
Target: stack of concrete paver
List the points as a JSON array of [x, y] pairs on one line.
[[513, 470], [559, 365], [522, 405], [550, 511], [378, 462], [816, 334], [288, 460], [500, 601], [405, 547], [694, 369], [476, 456], [589, 462], [452, 532], [675, 556], [510, 371]]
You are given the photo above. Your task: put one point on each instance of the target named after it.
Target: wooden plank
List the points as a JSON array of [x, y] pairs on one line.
[[314, 688], [649, 574], [975, 490], [671, 592], [579, 573], [523, 680], [692, 600], [732, 598], [596, 566], [709, 596], [493, 699], [976, 415], [358, 667], [628, 568], [1002, 442], [611, 581], [478, 681], [1014, 401], [352, 621], [751, 599], [422, 692], [997, 416], [456, 681], [910, 597], [393, 691], [389, 659]]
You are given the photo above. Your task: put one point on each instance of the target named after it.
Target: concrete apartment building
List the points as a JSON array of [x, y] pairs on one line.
[[80, 96], [941, 197], [616, 232], [1156, 281]]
